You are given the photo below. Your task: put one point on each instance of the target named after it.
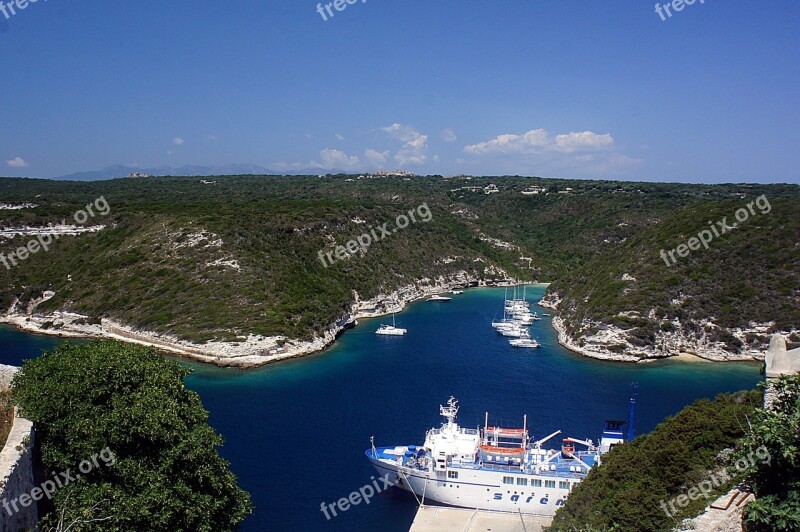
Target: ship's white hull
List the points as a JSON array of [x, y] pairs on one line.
[[484, 490]]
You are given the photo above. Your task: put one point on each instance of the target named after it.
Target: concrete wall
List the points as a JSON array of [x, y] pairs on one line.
[[16, 469]]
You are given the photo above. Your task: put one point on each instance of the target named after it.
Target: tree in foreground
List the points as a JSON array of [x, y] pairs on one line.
[[135, 443], [772, 451]]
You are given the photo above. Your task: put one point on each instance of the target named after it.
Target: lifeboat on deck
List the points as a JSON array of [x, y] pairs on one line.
[[504, 451], [567, 448]]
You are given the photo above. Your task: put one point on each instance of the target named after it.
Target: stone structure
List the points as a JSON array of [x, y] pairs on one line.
[[780, 361]]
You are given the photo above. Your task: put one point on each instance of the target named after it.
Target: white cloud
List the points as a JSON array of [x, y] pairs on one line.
[[401, 132], [17, 162], [338, 159], [578, 153], [339, 136], [413, 152], [585, 140], [332, 159], [415, 147], [532, 141], [178, 141], [213, 138], [376, 158], [448, 135]]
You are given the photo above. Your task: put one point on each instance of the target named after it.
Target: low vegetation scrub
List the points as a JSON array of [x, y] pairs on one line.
[[630, 491]]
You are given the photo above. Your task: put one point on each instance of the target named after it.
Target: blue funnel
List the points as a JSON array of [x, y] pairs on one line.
[[632, 412]]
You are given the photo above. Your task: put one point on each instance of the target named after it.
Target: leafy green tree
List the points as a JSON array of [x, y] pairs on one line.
[[158, 466], [771, 451]]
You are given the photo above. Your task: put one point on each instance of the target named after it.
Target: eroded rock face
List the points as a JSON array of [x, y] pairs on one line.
[[608, 341]]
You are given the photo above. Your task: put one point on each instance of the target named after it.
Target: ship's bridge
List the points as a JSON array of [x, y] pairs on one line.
[[452, 442]]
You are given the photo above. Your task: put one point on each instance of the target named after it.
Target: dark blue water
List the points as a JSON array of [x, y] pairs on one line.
[[295, 432]]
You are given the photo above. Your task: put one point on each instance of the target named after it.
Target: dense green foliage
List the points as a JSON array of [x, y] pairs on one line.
[[751, 273], [160, 264], [639, 479], [775, 481], [109, 397]]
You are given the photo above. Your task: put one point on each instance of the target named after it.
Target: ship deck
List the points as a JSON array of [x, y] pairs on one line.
[[559, 467]]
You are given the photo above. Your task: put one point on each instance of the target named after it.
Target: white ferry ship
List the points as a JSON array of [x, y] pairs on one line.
[[492, 468]]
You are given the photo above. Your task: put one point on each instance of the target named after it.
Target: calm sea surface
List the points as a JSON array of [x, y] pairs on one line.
[[295, 432]]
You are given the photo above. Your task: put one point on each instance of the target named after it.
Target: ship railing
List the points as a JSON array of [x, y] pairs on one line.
[[498, 467], [465, 465], [556, 474]]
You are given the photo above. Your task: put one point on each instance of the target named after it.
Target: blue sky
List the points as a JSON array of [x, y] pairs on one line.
[[552, 88]]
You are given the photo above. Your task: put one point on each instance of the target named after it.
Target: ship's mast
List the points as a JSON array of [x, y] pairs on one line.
[[525, 427], [450, 411]]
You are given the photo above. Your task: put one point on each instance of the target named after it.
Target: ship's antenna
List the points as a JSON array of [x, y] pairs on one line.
[[450, 412]]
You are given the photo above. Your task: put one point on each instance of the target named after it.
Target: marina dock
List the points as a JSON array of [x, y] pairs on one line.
[[446, 519]]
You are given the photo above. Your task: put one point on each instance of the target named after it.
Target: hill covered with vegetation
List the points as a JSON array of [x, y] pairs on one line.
[[674, 473], [728, 297], [226, 257]]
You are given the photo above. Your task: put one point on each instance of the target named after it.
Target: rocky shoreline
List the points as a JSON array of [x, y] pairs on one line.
[[257, 351], [252, 352], [611, 343]]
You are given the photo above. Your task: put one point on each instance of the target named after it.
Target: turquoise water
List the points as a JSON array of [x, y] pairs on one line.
[[295, 432]]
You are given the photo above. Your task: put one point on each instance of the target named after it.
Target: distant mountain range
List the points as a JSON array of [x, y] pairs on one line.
[[116, 171]]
